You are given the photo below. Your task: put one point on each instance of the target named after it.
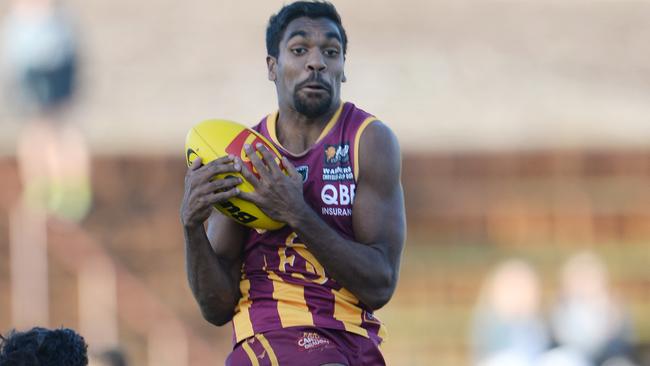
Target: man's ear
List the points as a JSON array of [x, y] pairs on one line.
[[344, 78], [272, 65]]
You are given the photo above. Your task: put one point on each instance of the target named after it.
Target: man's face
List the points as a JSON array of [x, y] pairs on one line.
[[309, 69]]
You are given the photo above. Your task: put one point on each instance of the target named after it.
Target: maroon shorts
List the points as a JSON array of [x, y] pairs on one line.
[[306, 346]]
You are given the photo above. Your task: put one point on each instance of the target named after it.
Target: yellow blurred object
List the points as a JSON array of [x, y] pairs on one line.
[[212, 139]]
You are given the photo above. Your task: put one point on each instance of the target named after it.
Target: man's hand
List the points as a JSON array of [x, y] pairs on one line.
[[202, 191], [213, 258], [279, 195]]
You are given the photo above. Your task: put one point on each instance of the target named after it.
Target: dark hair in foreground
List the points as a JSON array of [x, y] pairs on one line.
[[41, 346], [311, 9]]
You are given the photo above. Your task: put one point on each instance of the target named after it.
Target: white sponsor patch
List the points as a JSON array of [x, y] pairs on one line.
[[310, 340], [333, 195], [336, 211], [339, 173]]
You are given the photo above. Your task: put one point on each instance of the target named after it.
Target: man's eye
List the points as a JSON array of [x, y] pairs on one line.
[[331, 52], [298, 50]]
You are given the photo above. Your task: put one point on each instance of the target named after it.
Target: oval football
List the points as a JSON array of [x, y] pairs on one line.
[[212, 139]]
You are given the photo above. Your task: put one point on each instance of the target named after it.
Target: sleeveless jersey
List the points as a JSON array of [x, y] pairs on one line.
[[282, 283]]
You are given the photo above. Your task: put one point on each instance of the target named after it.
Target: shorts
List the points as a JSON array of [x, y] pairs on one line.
[[306, 346]]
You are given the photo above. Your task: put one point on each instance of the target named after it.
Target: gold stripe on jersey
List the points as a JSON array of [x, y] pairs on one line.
[[270, 126], [272, 119], [269, 350], [382, 333], [251, 354], [242, 321], [284, 260], [346, 311], [311, 265], [290, 241], [292, 306], [357, 138]]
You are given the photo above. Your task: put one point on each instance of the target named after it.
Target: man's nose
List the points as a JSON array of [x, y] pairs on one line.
[[316, 62]]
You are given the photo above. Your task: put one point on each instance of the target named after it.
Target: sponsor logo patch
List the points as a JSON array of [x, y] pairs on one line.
[[236, 213], [338, 174], [337, 154], [336, 211], [340, 194], [304, 172], [311, 340], [191, 155]]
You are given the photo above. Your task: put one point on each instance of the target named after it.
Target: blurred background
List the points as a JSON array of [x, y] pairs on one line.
[[525, 131]]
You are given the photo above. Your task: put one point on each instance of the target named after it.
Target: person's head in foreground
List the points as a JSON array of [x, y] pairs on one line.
[[44, 347]]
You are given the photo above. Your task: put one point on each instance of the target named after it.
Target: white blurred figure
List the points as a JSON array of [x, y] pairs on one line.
[[508, 328], [587, 319], [619, 361], [39, 59], [40, 65], [39, 44], [561, 356], [505, 358]]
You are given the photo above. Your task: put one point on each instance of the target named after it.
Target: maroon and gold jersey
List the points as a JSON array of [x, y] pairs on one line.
[[283, 284]]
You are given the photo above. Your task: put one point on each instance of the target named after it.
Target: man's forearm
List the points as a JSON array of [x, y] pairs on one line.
[[213, 280], [360, 268]]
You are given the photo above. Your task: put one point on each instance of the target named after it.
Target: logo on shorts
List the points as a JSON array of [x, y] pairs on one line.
[[311, 340]]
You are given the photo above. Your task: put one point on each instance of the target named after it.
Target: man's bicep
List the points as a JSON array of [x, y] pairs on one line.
[[379, 218], [378, 212], [226, 236]]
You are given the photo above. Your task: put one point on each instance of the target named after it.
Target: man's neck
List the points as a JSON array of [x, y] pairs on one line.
[[297, 132]]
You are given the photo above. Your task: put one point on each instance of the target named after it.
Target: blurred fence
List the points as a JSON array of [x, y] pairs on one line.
[[549, 198]]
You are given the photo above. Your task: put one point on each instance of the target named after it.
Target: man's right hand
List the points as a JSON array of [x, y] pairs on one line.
[[214, 255], [202, 191]]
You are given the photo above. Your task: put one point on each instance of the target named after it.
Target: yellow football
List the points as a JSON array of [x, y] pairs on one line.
[[212, 139]]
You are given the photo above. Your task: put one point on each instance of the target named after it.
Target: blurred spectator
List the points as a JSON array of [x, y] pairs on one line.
[[587, 318], [562, 356], [642, 354], [508, 328], [40, 57], [113, 357], [40, 346]]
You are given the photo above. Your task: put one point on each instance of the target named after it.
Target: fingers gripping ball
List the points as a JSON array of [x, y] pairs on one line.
[[212, 139]]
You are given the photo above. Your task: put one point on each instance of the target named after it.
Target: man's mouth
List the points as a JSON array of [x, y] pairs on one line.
[[315, 87]]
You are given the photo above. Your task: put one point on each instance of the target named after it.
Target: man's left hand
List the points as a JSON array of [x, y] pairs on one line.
[[278, 194]]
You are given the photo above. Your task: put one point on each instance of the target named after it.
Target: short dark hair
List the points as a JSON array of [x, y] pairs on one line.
[[311, 9], [41, 346]]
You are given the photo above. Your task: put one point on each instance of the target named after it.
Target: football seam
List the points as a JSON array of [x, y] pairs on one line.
[[206, 143]]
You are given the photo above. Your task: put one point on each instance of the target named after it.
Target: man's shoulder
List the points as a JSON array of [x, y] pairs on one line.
[[356, 112], [379, 135], [372, 125], [376, 129]]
